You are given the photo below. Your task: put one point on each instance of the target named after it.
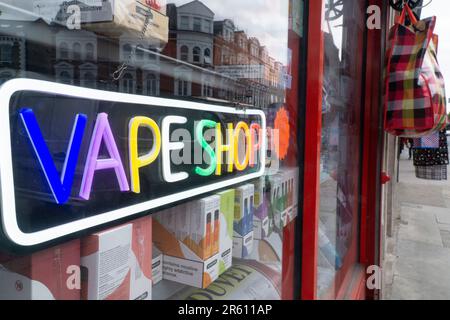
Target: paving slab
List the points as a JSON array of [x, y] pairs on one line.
[[425, 231], [412, 289]]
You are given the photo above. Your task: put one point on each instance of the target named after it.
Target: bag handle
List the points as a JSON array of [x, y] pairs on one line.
[[407, 11]]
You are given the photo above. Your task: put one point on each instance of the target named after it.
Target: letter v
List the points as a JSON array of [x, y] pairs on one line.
[[61, 186]]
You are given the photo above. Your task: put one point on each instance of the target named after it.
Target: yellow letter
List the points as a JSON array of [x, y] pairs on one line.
[[248, 140], [136, 161]]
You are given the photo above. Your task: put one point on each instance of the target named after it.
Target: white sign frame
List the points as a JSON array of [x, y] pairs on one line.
[[8, 217]]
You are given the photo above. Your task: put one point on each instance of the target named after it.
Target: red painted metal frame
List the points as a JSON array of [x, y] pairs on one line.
[[315, 54], [371, 174], [369, 223]]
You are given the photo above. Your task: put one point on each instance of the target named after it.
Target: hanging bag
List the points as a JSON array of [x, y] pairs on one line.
[[415, 103]]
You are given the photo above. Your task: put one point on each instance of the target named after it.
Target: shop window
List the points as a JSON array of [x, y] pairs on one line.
[[197, 24], [184, 53], [63, 50], [184, 23], [77, 51], [90, 51], [265, 269], [196, 52]]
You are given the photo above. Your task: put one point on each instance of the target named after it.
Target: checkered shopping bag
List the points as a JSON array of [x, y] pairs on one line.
[[415, 103]]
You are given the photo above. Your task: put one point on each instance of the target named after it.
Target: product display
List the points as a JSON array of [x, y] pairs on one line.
[[243, 221], [261, 213], [188, 236], [157, 264], [52, 274], [117, 263], [225, 228]]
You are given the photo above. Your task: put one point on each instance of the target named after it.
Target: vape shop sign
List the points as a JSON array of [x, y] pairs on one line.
[[76, 158]]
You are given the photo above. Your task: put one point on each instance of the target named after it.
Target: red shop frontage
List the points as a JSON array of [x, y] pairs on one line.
[[173, 150]]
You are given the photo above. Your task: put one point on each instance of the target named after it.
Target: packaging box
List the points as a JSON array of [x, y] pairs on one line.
[[261, 210], [157, 264], [129, 17], [275, 208], [226, 229], [243, 221], [117, 263], [51, 274], [189, 237]]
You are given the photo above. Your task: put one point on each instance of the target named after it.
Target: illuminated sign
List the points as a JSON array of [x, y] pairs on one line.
[[76, 158]]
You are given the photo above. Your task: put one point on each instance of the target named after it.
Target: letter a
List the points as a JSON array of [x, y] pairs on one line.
[[102, 132]]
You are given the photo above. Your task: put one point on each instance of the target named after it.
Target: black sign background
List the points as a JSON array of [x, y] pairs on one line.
[[36, 209]]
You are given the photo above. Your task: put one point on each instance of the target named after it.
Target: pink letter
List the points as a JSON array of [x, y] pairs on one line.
[[102, 131]]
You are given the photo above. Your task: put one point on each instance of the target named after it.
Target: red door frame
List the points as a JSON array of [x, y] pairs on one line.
[[313, 127], [354, 287]]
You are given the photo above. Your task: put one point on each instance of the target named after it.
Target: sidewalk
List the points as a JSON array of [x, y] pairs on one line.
[[418, 259]]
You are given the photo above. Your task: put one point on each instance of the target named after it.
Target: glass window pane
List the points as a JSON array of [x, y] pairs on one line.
[[341, 145]]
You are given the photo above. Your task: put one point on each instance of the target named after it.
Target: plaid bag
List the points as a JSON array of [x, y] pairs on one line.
[[415, 103]]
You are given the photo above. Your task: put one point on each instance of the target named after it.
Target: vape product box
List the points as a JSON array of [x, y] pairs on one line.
[[243, 221], [261, 211], [117, 263], [51, 274], [225, 227], [189, 241], [275, 208], [157, 264], [131, 17]]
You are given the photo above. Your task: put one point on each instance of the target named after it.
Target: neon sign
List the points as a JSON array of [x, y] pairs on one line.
[[80, 158]]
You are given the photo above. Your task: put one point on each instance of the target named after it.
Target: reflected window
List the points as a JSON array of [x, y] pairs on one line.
[[76, 51], [184, 53], [89, 80], [64, 50], [151, 55], [182, 87], [196, 52], [128, 83], [206, 26], [151, 84], [140, 52], [89, 51], [5, 76], [6, 54], [127, 50], [207, 56], [65, 77], [184, 23], [197, 24]]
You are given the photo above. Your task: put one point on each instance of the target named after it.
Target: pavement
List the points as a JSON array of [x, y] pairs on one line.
[[417, 265]]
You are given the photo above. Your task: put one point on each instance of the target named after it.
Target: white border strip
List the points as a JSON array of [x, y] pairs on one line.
[[9, 220]]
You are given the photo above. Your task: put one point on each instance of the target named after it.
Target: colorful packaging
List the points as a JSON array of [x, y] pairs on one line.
[[226, 229], [117, 263], [191, 244], [243, 221], [275, 208], [51, 274], [261, 211]]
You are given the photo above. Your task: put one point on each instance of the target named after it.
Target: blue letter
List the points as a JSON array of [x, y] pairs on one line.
[[60, 186]]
